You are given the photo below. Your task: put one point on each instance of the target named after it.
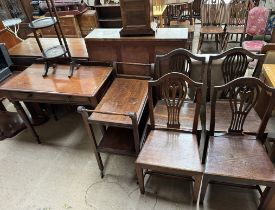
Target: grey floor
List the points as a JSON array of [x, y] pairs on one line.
[[62, 173]]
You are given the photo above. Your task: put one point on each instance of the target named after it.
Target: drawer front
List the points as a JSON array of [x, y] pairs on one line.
[[48, 98]]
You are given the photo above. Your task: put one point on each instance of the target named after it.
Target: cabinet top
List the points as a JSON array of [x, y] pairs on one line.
[[162, 34]]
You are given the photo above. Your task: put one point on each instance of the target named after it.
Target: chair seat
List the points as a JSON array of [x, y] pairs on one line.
[[235, 29], [254, 45], [187, 113], [223, 118], [211, 30], [239, 157], [170, 150]]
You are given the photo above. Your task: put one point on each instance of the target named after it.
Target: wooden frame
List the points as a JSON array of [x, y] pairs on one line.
[[249, 89]]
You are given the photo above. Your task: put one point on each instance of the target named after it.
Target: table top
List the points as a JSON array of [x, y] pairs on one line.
[[269, 74], [85, 82], [29, 47], [124, 96], [162, 34]]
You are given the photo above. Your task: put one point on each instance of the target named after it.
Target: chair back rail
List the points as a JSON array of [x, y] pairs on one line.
[[234, 64], [238, 12], [244, 93], [174, 90]]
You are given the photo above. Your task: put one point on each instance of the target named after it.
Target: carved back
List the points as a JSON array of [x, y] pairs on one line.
[[244, 94], [238, 12], [174, 89], [179, 60], [212, 12], [234, 65]]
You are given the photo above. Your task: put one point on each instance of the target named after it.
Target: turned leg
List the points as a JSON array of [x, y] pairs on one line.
[[25, 119], [225, 41], [204, 184], [196, 188], [200, 42], [140, 177]]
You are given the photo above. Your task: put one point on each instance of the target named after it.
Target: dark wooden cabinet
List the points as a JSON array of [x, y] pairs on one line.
[[109, 15], [136, 17]]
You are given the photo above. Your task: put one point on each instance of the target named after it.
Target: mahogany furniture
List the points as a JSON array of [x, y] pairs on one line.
[[87, 22], [235, 157], [169, 150], [86, 88], [211, 20], [106, 45], [109, 15], [70, 27], [8, 37], [27, 52], [136, 17], [121, 116]]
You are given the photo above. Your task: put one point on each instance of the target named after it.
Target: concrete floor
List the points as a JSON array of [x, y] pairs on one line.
[[62, 173]]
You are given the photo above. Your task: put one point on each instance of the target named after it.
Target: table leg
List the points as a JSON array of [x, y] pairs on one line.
[[26, 120]]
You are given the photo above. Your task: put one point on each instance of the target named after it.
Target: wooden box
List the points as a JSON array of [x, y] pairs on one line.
[[69, 25], [87, 21], [136, 17]]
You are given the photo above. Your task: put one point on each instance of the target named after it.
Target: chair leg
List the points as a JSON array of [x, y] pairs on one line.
[[217, 41], [204, 184], [225, 42], [200, 42], [196, 188], [267, 199], [140, 177]]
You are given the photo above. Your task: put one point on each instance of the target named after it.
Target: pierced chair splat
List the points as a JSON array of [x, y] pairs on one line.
[[236, 157], [170, 150]]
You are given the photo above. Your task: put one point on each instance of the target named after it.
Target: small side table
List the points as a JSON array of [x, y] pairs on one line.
[[12, 22]]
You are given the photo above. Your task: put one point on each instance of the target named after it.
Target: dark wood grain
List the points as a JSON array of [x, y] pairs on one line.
[[235, 157], [123, 96], [169, 150]]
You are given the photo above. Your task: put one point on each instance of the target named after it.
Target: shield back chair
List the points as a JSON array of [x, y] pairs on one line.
[[212, 17], [256, 25], [171, 150], [237, 158], [232, 64], [196, 6], [236, 21], [182, 61]]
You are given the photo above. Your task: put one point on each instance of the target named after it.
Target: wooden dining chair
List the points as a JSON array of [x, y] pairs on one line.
[[238, 10], [212, 17], [232, 64], [182, 61], [236, 157], [172, 150]]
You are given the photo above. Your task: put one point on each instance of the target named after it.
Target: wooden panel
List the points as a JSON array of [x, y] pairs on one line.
[[87, 21], [124, 96], [102, 53], [29, 47], [269, 74], [69, 25], [85, 82], [135, 54], [8, 38]]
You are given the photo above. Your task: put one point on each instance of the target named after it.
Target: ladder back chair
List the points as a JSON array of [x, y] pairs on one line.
[[212, 17], [236, 157], [182, 61], [169, 150]]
